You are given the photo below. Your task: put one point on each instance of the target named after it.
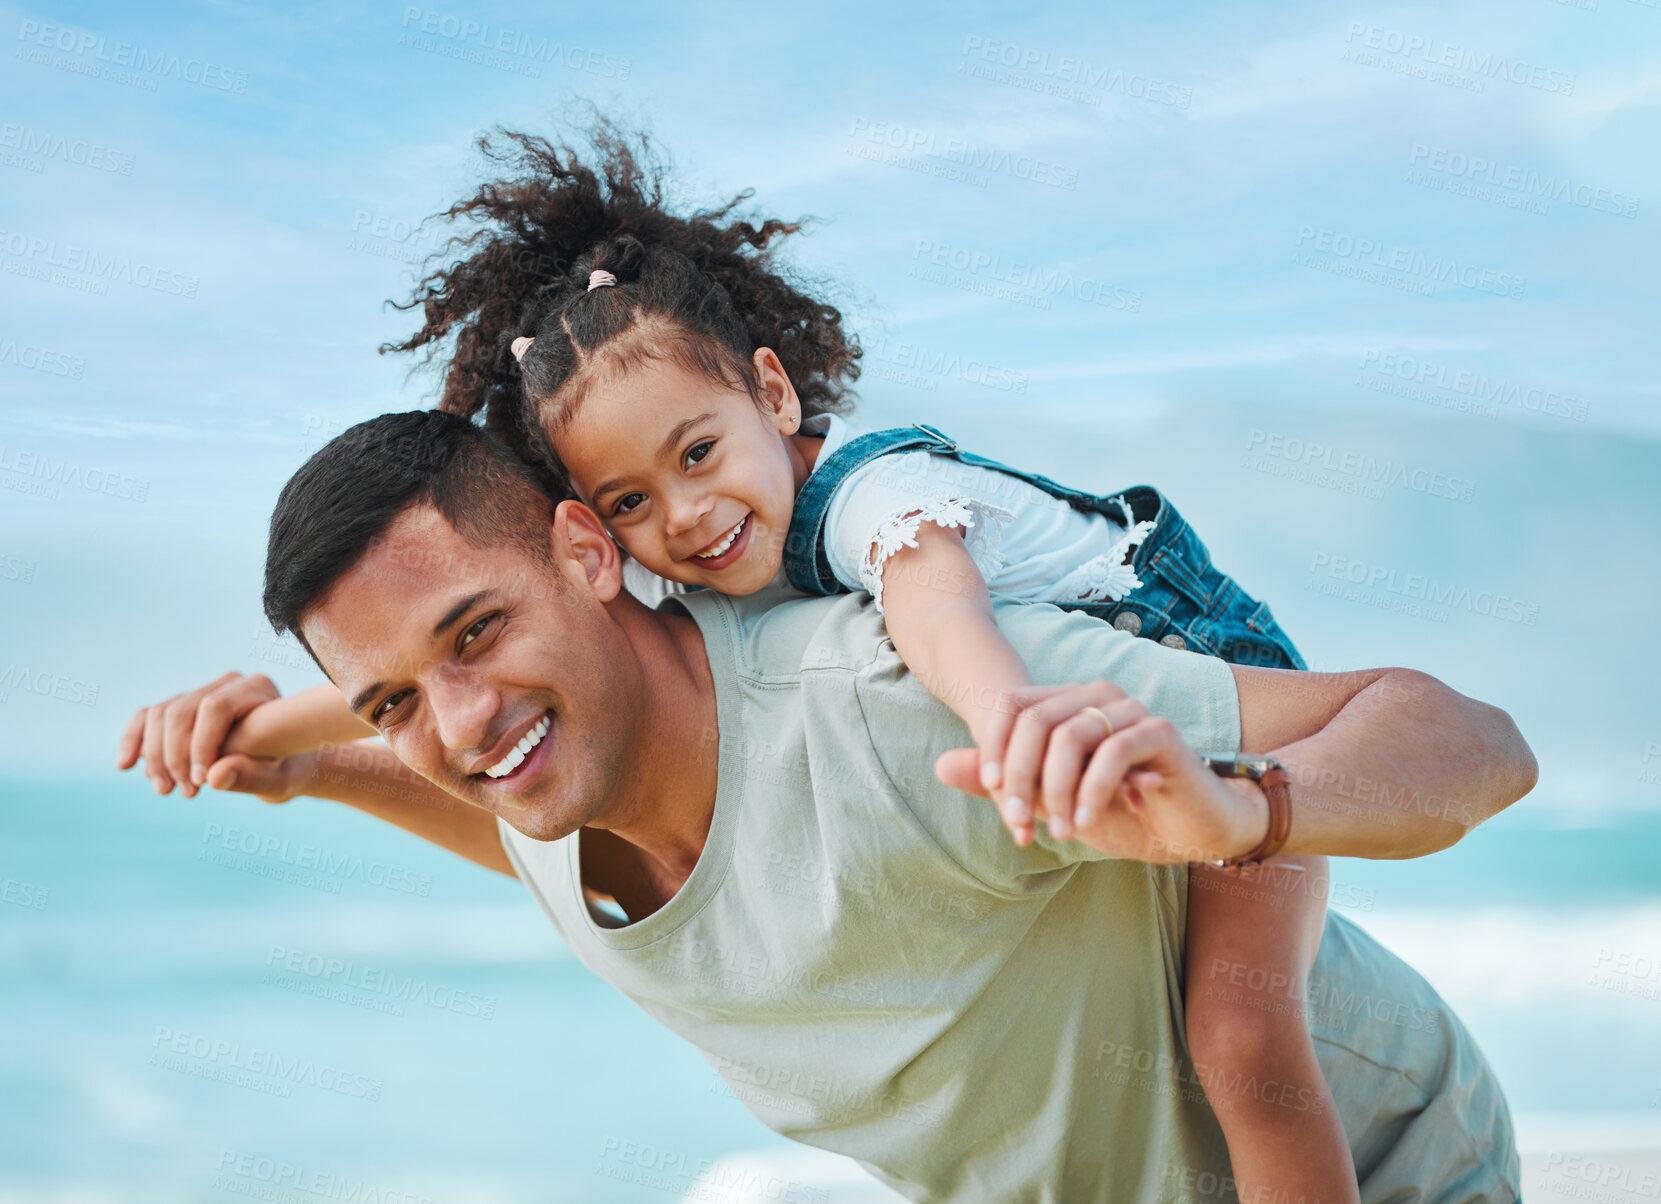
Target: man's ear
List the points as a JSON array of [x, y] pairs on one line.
[[779, 392], [580, 537]]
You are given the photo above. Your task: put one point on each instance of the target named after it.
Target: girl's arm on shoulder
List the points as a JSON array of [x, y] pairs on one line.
[[939, 615]]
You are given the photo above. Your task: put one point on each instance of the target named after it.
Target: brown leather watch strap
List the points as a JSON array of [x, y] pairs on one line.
[[1277, 789]]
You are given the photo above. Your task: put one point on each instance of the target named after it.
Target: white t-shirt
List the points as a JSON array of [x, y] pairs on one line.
[[1026, 543]]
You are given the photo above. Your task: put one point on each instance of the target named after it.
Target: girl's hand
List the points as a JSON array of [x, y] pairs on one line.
[[1034, 746], [180, 740], [1139, 792]]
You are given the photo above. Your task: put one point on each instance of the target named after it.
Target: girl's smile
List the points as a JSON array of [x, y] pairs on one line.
[[728, 548]]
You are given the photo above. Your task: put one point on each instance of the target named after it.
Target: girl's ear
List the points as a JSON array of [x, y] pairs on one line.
[[582, 544], [779, 393]]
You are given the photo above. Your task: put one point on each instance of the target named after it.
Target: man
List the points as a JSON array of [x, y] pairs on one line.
[[724, 809]]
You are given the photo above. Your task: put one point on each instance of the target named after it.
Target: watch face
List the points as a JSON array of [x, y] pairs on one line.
[[1242, 767]]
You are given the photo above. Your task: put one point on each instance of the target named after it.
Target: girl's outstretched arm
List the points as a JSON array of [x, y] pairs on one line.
[[939, 615]]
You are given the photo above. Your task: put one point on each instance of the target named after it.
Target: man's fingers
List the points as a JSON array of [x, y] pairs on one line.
[[1117, 757], [1125, 713], [1115, 769], [126, 752], [247, 775]]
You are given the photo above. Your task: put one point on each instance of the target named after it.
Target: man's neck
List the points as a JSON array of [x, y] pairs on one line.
[[647, 847]]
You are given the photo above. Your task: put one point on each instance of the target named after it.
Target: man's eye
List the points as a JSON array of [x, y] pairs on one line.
[[628, 502], [699, 450], [388, 705], [477, 629]]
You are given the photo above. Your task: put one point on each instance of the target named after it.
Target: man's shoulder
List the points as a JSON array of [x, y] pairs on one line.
[[779, 633]]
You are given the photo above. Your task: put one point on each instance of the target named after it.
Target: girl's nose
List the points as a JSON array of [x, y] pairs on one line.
[[685, 511]]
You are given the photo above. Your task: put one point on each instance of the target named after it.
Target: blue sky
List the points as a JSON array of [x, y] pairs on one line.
[[1364, 288]]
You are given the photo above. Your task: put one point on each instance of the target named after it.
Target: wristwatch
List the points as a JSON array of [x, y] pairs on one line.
[[1276, 784]]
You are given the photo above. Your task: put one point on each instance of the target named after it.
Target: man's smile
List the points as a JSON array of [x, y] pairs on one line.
[[511, 755]]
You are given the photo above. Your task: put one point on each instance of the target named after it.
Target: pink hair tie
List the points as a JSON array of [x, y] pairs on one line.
[[521, 345], [599, 278]]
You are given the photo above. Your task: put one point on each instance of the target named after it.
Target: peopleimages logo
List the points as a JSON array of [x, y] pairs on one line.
[[42, 359], [963, 152], [1409, 262], [45, 145], [1073, 78], [1323, 456], [1425, 54], [1526, 182], [98, 52], [1028, 279], [1388, 583], [25, 471], [1478, 386], [471, 32], [44, 253]]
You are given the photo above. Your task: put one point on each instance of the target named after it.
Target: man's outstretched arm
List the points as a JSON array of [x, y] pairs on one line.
[[231, 734], [366, 775], [1385, 763]]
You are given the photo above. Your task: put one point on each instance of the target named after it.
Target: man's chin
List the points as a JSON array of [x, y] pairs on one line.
[[544, 823], [538, 813]]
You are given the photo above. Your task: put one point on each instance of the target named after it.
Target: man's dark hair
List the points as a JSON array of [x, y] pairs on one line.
[[345, 497]]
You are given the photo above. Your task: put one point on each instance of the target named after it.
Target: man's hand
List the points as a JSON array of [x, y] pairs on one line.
[[180, 739], [1138, 793], [1033, 747], [269, 779]]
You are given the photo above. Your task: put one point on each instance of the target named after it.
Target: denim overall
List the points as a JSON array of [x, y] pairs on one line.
[[1183, 602]]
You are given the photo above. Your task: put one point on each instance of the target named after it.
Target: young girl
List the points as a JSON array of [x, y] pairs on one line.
[[659, 368]]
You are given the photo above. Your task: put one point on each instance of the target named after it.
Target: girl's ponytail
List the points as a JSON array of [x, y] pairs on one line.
[[547, 223]]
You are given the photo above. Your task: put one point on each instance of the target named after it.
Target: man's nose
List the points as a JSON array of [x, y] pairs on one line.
[[464, 709]]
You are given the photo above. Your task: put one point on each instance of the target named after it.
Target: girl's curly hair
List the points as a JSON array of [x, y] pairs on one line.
[[701, 289]]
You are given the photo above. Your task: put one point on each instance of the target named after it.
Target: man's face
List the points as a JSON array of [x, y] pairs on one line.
[[497, 677]]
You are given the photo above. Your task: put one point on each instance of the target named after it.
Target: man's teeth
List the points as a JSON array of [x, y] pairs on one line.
[[725, 543], [519, 752]]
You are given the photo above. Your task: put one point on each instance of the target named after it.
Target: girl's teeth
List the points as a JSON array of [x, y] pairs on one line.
[[725, 543], [518, 753]]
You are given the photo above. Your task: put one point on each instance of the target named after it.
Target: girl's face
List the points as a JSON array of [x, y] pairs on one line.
[[694, 478]]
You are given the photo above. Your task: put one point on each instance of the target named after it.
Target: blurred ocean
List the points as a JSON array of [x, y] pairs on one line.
[[224, 998]]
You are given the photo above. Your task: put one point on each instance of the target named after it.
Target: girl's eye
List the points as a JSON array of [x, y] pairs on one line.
[[698, 451], [628, 502], [388, 705]]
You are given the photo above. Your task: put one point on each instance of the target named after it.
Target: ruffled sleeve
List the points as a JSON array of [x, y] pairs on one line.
[[879, 509]]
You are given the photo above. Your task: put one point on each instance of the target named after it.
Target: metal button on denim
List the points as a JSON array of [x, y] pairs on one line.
[[1129, 621], [1173, 641]]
